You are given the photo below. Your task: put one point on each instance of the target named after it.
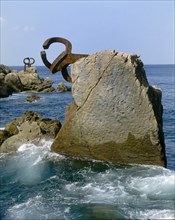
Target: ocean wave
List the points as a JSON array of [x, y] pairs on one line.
[[46, 185]]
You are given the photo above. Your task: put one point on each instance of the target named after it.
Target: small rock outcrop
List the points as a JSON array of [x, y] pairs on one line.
[[32, 98], [29, 128], [63, 88], [14, 81], [31, 80], [117, 115]]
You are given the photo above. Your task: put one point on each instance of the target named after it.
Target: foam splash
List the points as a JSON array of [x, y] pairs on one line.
[[34, 208], [153, 214], [161, 187], [30, 161]]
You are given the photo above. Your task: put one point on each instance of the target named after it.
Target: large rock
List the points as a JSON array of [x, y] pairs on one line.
[[117, 116], [13, 81], [29, 128], [5, 90], [29, 78]]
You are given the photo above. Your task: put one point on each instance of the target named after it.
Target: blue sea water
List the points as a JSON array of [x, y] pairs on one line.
[[39, 184]]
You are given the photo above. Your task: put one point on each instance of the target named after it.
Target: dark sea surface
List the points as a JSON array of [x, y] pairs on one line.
[[39, 184]]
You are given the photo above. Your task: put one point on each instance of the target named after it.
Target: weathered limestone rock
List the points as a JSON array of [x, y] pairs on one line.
[[117, 116], [30, 127], [30, 79], [14, 81], [45, 85]]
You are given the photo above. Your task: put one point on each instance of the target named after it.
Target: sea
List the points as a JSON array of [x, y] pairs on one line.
[[36, 183]]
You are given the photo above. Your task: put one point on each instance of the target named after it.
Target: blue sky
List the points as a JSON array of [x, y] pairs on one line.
[[142, 27]]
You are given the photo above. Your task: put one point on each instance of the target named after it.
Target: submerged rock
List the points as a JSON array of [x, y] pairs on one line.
[[29, 128], [33, 98], [117, 115]]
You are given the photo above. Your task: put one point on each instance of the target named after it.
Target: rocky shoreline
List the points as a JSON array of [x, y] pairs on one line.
[[116, 115], [19, 81], [29, 128]]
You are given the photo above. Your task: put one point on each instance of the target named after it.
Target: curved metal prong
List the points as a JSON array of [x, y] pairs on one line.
[[44, 59], [67, 43], [65, 74], [33, 60], [56, 65], [24, 60]]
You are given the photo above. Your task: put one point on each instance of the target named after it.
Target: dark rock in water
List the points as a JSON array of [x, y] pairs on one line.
[[117, 115], [98, 211], [29, 128], [4, 134], [32, 98], [12, 128], [4, 69], [5, 90], [63, 88]]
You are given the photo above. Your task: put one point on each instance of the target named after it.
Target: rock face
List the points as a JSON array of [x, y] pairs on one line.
[[117, 116], [14, 81], [4, 69], [29, 128], [5, 89]]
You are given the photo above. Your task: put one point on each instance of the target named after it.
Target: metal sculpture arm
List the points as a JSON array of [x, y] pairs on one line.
[[63, 60]]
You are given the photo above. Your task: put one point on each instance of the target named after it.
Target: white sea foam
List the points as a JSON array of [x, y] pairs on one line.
[[160, 186], [31, 161], [35, 208], [153, 214]]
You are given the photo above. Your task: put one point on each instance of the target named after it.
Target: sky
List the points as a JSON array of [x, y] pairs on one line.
[[142, 27]]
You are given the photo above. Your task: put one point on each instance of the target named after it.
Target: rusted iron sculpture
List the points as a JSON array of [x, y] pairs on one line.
[[63, 60], [28, 62]]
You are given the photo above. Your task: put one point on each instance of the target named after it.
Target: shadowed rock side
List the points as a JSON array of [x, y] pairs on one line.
[[117, 116]]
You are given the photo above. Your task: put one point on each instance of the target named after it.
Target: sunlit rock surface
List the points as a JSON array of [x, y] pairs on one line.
[[117, 115], [29, 128], [14, 81]]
